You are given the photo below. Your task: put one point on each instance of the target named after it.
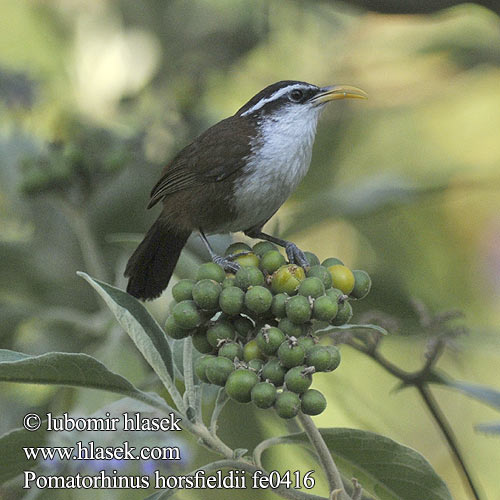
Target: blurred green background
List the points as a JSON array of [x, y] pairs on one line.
[[97, 95]]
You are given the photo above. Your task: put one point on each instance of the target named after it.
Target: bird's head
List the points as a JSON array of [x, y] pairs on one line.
[[291, 100]]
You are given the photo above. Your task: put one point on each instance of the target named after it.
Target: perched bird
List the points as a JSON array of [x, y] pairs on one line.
[[233, 177]]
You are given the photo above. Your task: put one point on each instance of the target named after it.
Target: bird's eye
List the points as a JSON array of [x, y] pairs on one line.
[[296, 95]]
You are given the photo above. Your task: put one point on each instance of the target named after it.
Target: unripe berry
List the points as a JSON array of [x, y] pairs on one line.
[[218, 370], [311, 258], [298, 309], [335, 357], [187, 315], [263, 395], [200, 367], [344, 314], [172, 329], [248, 260], [231, 350], [231, 300], [311, 287], [258, 299], [278, 305], [312, 402], [255, 364], [271, 261], [221, 330], [332, 261], [243, 326], [306, 342], [298, 379], [206, 294], [240, 383], [251, 351], [211, 271], [182, 290], [263, 247], [324, 308], [362, 284], [274, 372], [269, 339], [236, 248], [290, 354], [200, 342], [291, 329], [320, 357], [287, 404], [321, 273], [249, 276]]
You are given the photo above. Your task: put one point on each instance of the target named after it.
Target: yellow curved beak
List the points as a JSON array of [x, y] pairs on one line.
[[339, 92]]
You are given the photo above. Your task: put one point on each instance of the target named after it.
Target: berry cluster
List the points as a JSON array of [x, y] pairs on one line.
[[256, 327]]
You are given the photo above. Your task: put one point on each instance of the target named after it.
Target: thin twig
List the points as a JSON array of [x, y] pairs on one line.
[[448, 434], [324, 456]]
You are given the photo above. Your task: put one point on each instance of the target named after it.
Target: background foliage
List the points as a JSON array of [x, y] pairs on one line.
[[96, 96]]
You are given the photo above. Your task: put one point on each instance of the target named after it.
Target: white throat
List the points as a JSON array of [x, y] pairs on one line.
[[280, 158]]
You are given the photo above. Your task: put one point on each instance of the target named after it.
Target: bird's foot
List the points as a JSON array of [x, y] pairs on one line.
[[295, 255], [226, 263]]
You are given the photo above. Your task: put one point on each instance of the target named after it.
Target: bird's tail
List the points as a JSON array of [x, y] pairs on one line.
[[153, 262]]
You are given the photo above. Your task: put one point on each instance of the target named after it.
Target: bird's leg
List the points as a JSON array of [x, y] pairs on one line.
[[294, 253], [224, 262]]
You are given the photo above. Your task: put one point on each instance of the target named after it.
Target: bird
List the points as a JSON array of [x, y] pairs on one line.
[[233, 177]]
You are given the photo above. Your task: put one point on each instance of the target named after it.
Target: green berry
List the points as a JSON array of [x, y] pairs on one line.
[[278, 305], [187, 315], [344, 314], [240, 383], [269, 339], [200, 342], [221, 330], [312, 402], [332, 261], [211, 271], [247, 260], [320, 357], [274, 372], [236, 248], [335, 357], [252, 351], [231, 300], [324, 308], [249, 276], [263, 247], [362, 284], [291, 329], [321, 273], [263, 395], [287, 279], [291, 354], [306, 343], [336, 295], [172, 329], [311, 287], [287, 404], [200, 367], [229, 281], [258, 299], [255, 364], [182, 290], [298, 309], [218, 370], [312, 259], [243, 326], [271, 261], [206, 294], [297, 379], [231, 350], [342, 278]]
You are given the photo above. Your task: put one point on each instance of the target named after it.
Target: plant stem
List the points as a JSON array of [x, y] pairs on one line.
[[448, 434], [324, 456], [187, 361]]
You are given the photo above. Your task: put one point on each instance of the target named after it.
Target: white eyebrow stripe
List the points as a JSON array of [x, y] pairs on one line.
[[275, 96]]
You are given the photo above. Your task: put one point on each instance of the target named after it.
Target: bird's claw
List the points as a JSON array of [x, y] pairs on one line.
[[296, 255], [226, 263]]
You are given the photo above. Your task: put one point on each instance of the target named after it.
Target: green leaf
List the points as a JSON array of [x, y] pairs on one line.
[[331, 329], [142, 328], [73, 369], [14, 461], [385, 468]]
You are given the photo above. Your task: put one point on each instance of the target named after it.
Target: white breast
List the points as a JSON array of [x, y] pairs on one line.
[[280, 159]]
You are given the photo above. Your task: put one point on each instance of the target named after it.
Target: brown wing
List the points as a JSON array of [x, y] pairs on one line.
[[212, 157]]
